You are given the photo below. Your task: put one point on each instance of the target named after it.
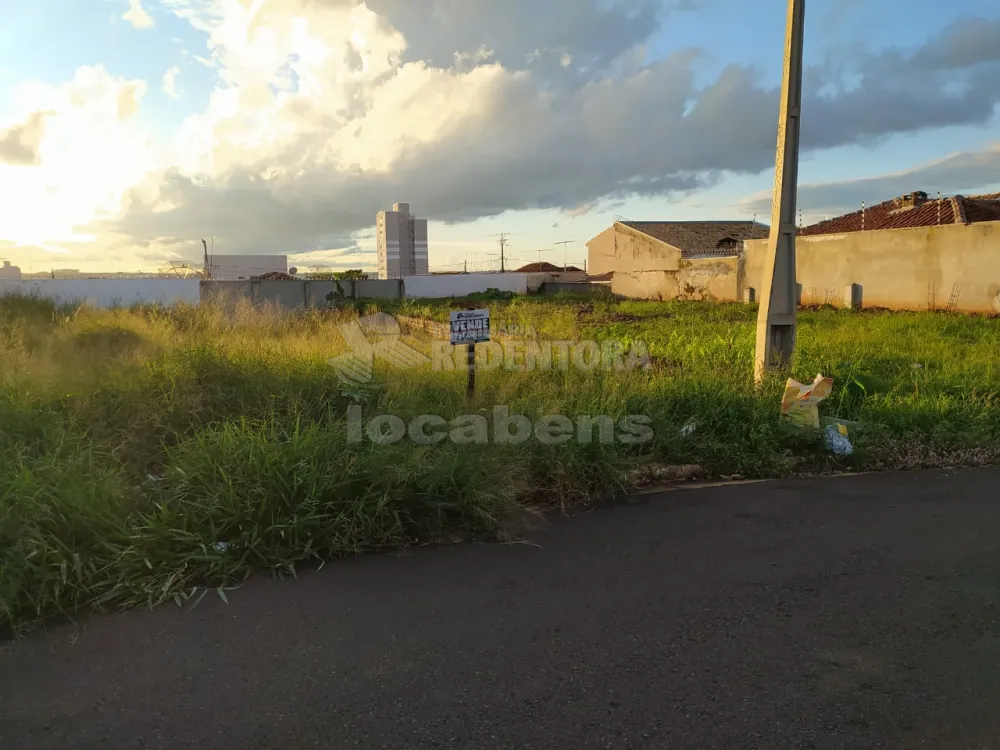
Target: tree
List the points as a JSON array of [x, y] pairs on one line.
[[355, 274]]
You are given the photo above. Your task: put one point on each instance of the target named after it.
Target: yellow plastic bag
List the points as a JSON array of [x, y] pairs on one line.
[[799, 404]]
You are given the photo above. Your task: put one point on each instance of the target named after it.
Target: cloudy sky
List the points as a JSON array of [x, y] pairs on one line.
[[130, 129]]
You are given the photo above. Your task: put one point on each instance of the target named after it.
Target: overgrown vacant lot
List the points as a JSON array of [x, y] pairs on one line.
[[147, 453]]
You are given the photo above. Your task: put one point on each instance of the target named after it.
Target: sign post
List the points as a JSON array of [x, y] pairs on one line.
[[470, 327], [470, 358]]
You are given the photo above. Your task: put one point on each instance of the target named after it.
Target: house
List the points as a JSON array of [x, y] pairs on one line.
[[669, 259], [907, 253], [911, 211], [547, 268]]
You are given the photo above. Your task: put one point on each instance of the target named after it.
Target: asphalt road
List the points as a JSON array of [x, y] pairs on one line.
[[859, 612]]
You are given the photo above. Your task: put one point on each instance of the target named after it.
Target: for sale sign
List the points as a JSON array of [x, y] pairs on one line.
[[470, 326]]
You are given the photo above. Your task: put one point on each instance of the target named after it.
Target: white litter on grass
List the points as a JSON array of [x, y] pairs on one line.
[[836, 441], [800, 402]]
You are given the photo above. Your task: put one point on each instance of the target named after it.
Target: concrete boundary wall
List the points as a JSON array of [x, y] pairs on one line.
[[291, 295], [378, 289], [942, 267], [575, 287], [462, 285], [226, 292], [108, 292], [691, 278]]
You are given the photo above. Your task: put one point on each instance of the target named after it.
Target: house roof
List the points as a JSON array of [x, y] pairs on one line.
[[907, 212], [982, 208], [694, 237], [544, 267]]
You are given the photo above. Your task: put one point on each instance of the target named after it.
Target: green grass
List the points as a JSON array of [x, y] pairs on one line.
[[146, 454]]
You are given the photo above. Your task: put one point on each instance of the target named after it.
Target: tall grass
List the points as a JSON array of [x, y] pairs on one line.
[[147, 453]]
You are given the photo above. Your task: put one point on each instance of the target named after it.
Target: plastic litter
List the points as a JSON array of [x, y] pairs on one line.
[[221, 546], [689, 429], [836, 440], [799, 402]]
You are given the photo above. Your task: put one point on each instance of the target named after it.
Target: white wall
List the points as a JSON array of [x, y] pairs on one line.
[[459, 285], [108, 292], [231, 267]]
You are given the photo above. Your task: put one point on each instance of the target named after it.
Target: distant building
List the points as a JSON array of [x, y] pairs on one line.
[[9, 272], [402, 243], [245, 267], [672, 259], [545, 267], [612, 249]]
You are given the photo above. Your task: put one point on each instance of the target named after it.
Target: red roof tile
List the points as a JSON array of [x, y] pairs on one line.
[[906, 213], [694, 237], [983, 208]]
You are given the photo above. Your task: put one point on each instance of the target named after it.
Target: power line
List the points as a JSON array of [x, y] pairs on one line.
[[503, 242], [564, 243]]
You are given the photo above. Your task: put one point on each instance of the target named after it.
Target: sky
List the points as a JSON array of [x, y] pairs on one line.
[[132, 129]]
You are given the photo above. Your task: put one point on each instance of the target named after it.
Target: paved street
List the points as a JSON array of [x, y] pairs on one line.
[[855, 612]]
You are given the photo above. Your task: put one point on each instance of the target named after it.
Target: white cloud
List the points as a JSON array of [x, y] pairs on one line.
[[170, 82], [20, 143], [325, 112], [322, 117], [90, 152], [961, 172], [137, 15]]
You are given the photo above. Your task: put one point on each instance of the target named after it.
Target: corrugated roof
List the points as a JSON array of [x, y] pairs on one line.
[[908, 212], [695, 237]]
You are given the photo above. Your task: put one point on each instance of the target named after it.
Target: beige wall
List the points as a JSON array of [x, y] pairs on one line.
[[905, 269], [695, 279], [601, 252], [709, 278], [646, 268]]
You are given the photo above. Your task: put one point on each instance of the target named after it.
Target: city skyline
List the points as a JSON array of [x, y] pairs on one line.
[[283, 126]]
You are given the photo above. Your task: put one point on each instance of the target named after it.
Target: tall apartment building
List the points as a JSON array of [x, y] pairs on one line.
[[402, 243]]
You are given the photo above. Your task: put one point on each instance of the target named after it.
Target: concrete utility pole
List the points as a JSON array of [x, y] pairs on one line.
[[502, 241], [778, 298]]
